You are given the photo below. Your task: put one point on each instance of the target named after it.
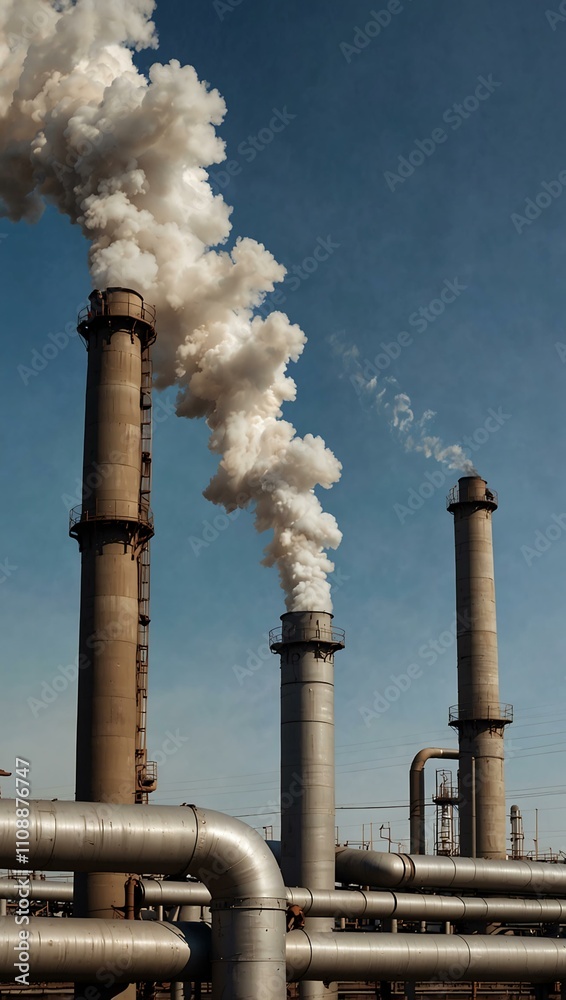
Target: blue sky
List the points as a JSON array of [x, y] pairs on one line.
[[461, 215]]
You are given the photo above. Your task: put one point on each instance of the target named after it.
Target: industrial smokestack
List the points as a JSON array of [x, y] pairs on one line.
[[479, 717], [517, 834], [307, 642], [113, 527]]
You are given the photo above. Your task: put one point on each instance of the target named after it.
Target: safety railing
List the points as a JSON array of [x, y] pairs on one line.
[[110, 510], [501, 713], [486, 495], [336, 636], [127, 304]]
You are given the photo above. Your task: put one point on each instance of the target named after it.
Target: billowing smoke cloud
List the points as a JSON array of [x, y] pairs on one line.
[[125, 158], [413, 432]]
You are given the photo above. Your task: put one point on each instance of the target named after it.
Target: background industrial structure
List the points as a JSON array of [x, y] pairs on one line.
[[304, 910]]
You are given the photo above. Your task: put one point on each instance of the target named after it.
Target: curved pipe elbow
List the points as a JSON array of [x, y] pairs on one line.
[[430, 753]]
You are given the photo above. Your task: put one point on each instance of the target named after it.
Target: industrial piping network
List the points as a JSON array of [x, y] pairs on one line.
[[249, 947], [249, 951], [351, 903]]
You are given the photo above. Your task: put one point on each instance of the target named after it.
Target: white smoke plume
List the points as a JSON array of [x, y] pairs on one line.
[[413, 432], [126, 159]]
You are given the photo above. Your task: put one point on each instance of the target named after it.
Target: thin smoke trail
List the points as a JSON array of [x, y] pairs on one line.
[[125, 157], [413, 432]]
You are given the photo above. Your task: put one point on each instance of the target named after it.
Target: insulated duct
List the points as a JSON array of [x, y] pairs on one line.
[[233, 861], [37, 888], [417, 794], [445, 958], [106, 951], [356, 903], [114, 952], [470, 874]]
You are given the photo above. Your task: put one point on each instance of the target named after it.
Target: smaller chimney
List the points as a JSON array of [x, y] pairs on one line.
[[479, 717], [306, 643]]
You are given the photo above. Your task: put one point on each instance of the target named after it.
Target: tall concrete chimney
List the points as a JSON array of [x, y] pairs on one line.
[[306, 643], [113, 527], [479, 717]]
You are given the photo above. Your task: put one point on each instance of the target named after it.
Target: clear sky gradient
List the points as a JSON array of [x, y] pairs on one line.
[[424, 155]]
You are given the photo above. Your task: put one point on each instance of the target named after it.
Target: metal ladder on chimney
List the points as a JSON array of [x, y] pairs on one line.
[[146, 771]]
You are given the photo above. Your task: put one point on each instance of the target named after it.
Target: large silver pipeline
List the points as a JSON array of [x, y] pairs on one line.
[[420, 958], [417, 794], [104, 951], [422, 871], [120, 951], [48, 892], [233, 861], [354, 903]]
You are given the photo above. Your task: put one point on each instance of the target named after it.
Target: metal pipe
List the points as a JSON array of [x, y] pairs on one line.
[[446, 958], [233, 861], [306, 643], [154, 892], [105, 951], [51, 892], [357, 903], [354, 903], [417, 794], [112, 526], [120, 951], [473, 874], [478, 717]]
